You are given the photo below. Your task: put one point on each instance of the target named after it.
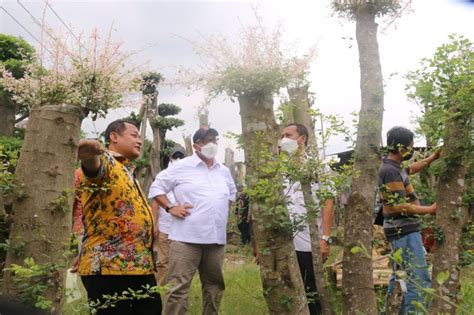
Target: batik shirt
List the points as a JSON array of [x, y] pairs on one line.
[[118, 225]]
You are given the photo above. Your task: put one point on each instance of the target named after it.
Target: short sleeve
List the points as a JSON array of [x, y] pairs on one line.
[[164, 182], [231, 185]]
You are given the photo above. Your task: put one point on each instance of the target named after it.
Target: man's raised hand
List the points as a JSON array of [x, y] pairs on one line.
[[89, 150]]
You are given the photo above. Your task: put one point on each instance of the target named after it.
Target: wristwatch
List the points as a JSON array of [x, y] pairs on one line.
[[169, 207], [327, 239]]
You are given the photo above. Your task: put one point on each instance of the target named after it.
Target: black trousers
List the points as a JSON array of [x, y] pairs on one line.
[[97, 286], [305, 262], [244, 229]]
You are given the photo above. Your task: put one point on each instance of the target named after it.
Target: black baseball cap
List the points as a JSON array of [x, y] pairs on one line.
[[201, 133], [176, 150]]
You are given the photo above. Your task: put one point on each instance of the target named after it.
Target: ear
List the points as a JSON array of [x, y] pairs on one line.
[[303, 141], [114, 137]]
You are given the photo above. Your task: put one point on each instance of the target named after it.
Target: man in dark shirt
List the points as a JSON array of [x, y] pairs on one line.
[[400, 209]]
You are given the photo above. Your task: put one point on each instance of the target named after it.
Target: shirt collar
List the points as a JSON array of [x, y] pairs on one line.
[[196, 160], [391, 162], [122, 159]]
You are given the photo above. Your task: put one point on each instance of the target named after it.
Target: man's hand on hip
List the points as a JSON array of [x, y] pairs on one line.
[[181, 211]]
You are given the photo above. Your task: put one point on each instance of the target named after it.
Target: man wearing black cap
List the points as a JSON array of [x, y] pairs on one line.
[[162, 223], [203, 189]]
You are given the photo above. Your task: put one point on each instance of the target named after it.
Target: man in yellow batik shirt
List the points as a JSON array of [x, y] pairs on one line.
[[116, 252]]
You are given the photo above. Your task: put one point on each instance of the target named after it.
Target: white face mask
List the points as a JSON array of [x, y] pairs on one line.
[[289, 145], [209, 151]]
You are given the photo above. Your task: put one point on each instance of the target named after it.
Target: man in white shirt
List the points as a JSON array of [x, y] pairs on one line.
[[294, 137], [162, 223], [203, 189]]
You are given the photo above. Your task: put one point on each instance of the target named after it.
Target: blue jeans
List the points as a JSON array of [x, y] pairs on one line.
[[414, 263]]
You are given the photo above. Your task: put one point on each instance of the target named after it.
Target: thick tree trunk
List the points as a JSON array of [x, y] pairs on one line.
[[240, 173], [358, 288], [156, 146], [155, 160], [229, 161], [41, 227], [282, 282], [302, 110], [302, 115], [7, 117], [144, 115], [452, 214], [204, 119], [318, 265], [188, 145]]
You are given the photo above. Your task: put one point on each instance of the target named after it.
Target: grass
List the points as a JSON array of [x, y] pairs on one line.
[[467, 291], [244, 294]]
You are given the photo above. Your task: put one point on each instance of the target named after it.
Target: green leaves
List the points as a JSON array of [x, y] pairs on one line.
[[442, 277], [32, 281], [397, 256], [361, 249], [441, 83]]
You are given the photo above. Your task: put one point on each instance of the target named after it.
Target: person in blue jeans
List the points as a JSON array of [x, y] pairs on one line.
[[401, 209]]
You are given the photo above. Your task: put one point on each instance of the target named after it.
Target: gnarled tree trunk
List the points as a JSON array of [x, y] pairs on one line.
[[229, 161], [7, 116], [299, 97], [302, 115], [452, 214], [357, 283], [41, 227], [318, 264], [204, 118], [282, 282], [156, 146], [188, 145]]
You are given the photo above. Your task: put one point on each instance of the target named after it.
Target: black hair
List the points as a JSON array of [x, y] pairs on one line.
[[117, 126], [302, 131], [178, 155], [399, 137]]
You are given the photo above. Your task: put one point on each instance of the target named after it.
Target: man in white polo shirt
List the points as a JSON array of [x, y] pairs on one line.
[[203, 189], [294, 137], [162, 223]]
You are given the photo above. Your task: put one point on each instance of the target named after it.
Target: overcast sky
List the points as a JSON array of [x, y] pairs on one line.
[[335, 71]]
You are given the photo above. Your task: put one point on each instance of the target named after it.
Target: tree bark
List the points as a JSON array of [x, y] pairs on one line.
[[302, 115], [42, 217], [318, 264], [394, 300], [144, 114], [156, 145], [302, 110], [7, 117], [281, 279], [188, 145], [204, 119], [229, 161], [358, 289], [452, 214]]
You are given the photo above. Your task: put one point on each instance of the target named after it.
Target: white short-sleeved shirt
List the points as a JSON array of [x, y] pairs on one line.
[[208, 190], [297, 210], [164, 218]]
